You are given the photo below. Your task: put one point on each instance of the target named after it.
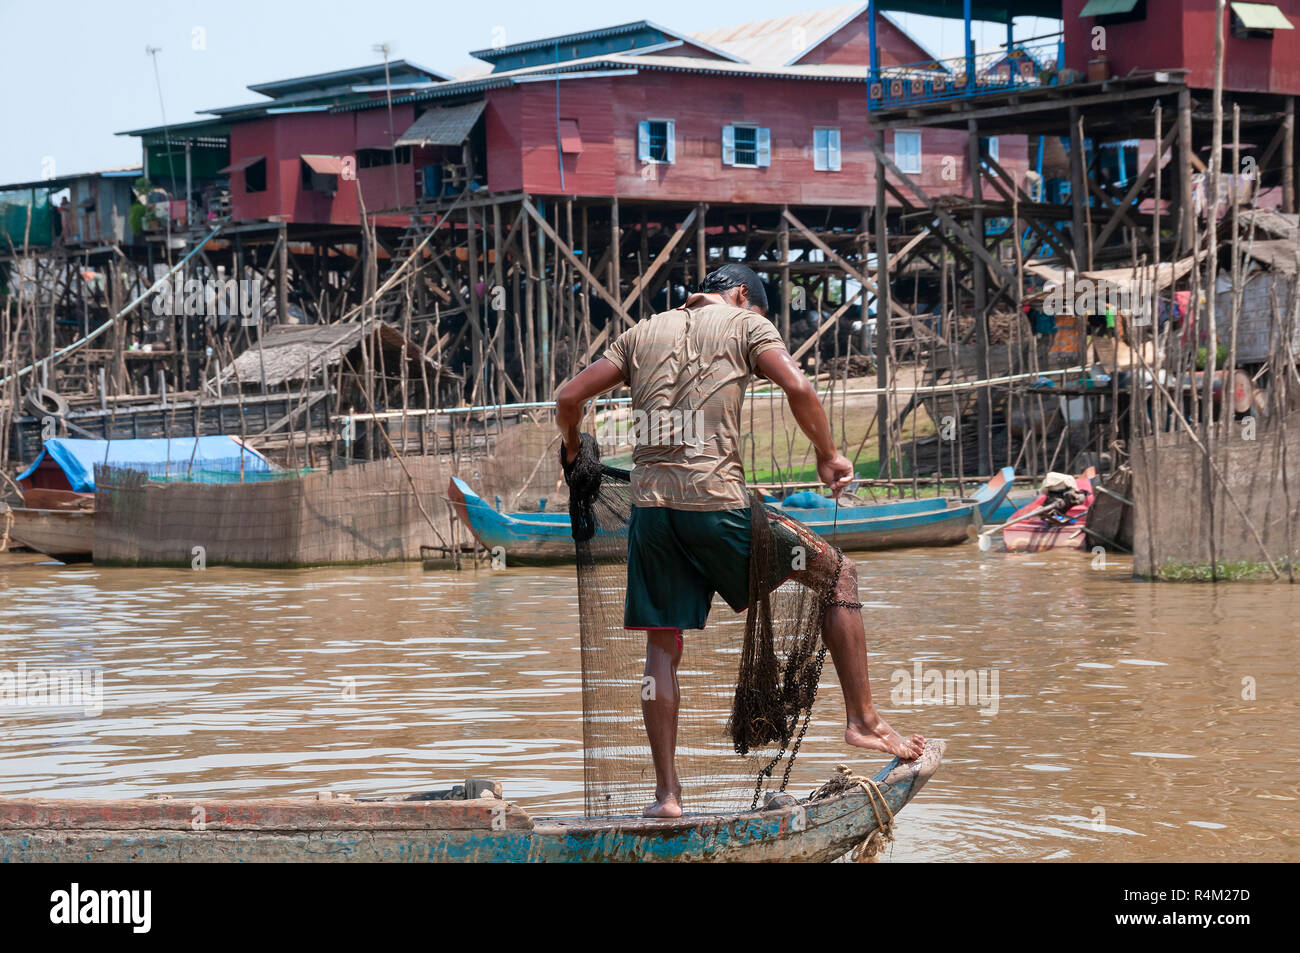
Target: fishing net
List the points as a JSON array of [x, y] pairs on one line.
[[746, 683]]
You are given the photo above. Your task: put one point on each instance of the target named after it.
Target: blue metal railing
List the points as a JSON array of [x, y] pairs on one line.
[[1027, 65]]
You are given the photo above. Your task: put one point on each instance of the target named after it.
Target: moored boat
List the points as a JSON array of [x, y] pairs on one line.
[[58, 518], [66, 535], [1064, 530], [444, 827], [936, 521]]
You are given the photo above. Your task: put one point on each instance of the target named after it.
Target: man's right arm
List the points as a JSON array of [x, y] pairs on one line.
[[834, 469]]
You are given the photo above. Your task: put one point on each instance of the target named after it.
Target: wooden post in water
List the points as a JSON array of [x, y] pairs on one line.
[[884, 338]]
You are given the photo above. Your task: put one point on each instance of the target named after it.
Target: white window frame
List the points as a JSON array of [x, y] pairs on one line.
[[762, 145], [905, 164], [833, 156], [643, 142]]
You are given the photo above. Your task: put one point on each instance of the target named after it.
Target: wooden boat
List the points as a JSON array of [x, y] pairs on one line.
[[66, 535], [441, 827], [1052, 532], [1110, 518], [1012, 503], [937, 521]]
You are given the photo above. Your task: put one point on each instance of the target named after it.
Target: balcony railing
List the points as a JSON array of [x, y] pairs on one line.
[[1026, 65]]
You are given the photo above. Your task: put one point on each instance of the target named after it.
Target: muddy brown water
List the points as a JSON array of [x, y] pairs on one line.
[[1133, 721]]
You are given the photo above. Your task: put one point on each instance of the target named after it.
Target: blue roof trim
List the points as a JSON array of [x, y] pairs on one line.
[[492, 54]]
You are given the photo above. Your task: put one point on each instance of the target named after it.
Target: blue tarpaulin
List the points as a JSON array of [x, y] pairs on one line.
[[156, 456]]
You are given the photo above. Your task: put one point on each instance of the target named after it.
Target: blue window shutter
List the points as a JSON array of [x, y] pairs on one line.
[[728, 145], [764, 139], [907, 151], [643, 141], [833, 150], [672, 140]]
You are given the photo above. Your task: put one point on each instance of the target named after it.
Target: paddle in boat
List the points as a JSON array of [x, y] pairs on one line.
[[469, 823], [936, 521]]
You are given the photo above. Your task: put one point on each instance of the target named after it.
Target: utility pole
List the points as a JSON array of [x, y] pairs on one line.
[[385, 48], [152, 52]]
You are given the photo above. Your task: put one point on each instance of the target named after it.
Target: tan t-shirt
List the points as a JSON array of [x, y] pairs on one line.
[[688, 370]]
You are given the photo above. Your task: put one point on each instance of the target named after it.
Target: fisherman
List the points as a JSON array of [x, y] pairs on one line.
[[689, 532]]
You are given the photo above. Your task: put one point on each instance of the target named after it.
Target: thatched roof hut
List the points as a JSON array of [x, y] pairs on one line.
[[288, 355]]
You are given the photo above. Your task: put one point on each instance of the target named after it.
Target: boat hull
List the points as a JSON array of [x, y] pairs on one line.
[[67, 535], [1038, 535], [483, 830], [545, 537]]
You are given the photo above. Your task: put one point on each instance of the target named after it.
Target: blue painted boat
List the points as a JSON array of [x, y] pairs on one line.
[[1010, 505], [446, 827], [936, 521]]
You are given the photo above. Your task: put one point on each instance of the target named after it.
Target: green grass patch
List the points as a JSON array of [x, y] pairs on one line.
[[1225, 572]]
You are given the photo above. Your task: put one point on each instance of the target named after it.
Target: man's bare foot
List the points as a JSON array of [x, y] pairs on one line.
[[667, 805], [878, 736]]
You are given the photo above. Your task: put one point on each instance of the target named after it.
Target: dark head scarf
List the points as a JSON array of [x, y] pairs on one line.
[[732, 275]]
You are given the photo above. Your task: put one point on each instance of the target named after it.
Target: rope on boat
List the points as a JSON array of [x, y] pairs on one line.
[[845, 780]]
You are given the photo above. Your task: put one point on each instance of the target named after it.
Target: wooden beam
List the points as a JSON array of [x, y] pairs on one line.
[[1120, 213], [852, 272], [1024, 107], [826, 325], [573, 260], [664, 255], [1288, 157], [976, 247]]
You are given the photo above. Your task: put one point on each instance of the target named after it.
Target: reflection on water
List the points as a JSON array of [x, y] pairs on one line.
[[1133, 722]]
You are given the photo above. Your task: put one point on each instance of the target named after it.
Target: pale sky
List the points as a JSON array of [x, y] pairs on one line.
[[78, 72]]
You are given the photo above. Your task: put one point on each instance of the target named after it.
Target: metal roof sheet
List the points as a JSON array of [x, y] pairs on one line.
[[780, 40], [443, 125], [325, 165], [1102, 8], [1261, 16], [242, 164]]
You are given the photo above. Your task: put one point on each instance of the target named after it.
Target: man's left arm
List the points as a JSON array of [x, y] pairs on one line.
[[599, 376]]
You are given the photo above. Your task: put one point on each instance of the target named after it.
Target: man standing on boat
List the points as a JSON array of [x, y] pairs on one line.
[[689, 533]]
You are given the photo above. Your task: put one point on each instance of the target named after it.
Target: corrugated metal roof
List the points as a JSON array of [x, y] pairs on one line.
[[60, 181], [325, 165], [495, 52], [1102, 8], [626, 62], [346, 77], [994, 11], [492, 54], [1261, 16], [443, 126], [781, 40], [241, 164], [784, 41]]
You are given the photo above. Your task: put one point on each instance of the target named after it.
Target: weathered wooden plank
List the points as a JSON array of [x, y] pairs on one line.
[[260, 814]]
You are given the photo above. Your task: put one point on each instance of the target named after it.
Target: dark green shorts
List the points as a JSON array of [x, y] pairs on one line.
[[677, 560]]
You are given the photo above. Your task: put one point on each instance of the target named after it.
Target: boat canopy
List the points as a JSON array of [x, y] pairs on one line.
[[156, 456]]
